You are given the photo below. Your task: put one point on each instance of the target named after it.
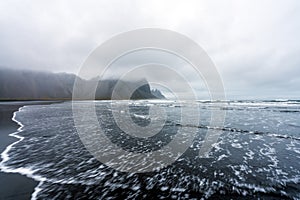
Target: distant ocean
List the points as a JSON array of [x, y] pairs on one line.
[[256, 156]]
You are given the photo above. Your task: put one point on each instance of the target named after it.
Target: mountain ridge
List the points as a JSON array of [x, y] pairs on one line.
[[42, 85]]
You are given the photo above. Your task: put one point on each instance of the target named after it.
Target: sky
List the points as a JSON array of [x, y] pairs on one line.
[[255, 44]]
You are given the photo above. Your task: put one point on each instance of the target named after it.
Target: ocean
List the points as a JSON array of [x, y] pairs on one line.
[[256, 155]]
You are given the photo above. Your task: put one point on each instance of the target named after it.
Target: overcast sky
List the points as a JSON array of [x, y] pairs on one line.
[[254, 44]]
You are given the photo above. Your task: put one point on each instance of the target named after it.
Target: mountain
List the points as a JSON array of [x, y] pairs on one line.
[[39, 85], [158, 94]]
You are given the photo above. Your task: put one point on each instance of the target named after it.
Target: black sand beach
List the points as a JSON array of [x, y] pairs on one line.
[[14, 186]]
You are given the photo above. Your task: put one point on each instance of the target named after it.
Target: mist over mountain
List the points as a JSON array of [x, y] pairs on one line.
[[40, 85], [158, 94]]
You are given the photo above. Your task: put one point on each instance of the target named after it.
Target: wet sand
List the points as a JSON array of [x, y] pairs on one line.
[[13, 185]]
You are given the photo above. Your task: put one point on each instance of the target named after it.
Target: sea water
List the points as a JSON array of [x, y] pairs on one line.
[[257, 154]]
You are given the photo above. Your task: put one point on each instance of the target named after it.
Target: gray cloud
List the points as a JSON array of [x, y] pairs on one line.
[[254, 44]]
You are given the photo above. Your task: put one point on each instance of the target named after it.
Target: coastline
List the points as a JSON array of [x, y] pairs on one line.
[[16, 186]]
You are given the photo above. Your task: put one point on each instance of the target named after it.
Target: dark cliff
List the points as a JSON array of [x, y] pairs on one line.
[[34, 85]]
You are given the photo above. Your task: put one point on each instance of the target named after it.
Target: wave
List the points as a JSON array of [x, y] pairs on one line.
[[230, 129], [28, 172]]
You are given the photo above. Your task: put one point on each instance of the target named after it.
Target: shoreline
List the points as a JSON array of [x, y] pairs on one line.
[[17, 186]]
